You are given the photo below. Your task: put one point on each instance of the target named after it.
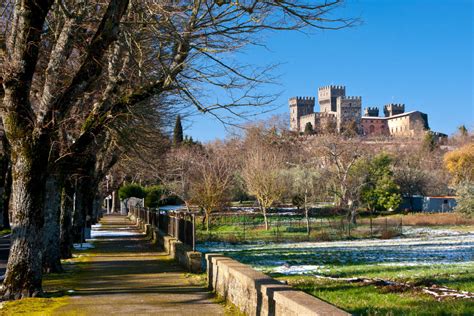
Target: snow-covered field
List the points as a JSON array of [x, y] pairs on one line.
[[434, 247]]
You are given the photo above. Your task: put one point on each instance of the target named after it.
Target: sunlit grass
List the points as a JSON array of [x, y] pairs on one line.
[[33, 306], [370, 300]]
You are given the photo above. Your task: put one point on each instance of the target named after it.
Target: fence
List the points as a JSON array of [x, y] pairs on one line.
[[250, 227], [177, 224]]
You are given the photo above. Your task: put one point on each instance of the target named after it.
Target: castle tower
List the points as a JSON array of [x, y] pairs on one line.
[[371, 111], [327, 97], [348, 113], [299, 106], [392, 109]]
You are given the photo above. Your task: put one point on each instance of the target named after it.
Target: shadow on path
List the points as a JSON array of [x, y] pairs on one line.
[[126, 275]]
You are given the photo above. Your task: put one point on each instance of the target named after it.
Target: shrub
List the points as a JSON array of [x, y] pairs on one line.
[[154, 195], [131, 190]]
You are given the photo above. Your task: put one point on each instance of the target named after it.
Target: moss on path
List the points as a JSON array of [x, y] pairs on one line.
[[125, 275]]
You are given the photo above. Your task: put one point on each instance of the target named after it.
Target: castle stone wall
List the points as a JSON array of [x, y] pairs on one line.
[[348, 110]]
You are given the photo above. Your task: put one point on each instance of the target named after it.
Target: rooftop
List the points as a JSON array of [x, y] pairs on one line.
[[386, 118]]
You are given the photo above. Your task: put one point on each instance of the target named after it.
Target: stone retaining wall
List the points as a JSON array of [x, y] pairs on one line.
[[191, 260], [258, 294]]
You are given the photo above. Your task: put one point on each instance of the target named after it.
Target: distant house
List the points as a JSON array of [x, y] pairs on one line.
[[439, 203], [432, 204], [412, 203]]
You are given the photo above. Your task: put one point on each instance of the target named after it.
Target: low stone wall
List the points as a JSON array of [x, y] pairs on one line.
[[258, 294], [191, 260]]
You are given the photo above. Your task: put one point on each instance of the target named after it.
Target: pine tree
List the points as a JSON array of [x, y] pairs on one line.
[[178, 131]]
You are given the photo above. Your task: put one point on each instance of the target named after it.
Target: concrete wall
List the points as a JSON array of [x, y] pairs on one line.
[[258, 294]]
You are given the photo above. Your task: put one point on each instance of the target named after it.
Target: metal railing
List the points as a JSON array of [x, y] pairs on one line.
[[177, 224]]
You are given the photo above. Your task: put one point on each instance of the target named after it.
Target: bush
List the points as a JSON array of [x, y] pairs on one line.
[[154, 196], [131, 190]]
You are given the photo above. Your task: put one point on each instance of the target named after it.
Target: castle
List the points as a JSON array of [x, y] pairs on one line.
[[339, 112]]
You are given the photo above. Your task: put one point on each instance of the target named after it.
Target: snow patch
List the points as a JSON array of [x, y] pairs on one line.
[[301, 269], [420, 251], [112, 233], [83, 246]]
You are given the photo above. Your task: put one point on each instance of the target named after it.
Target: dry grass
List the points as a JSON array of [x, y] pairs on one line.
[[436, 219]]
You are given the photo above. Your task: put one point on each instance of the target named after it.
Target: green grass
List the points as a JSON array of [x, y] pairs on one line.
[[370, 300], [363, 299], [33, 306], [5, 231], [457, 276], [230, 232], [56, 287]]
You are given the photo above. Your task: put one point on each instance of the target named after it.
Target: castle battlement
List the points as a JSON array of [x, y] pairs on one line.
[[393, 109], [371, 111], [395, 106], [302, 99], [331, 87], [352, 98]]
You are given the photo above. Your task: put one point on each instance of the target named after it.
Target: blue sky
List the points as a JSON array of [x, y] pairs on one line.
[[417, 52]]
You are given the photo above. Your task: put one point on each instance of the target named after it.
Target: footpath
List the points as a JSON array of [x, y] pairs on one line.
[[127, 275]]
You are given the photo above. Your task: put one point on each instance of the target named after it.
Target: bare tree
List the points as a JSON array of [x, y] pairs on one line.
[[339, 156], [153, 48], [211, 180], [263, 177]]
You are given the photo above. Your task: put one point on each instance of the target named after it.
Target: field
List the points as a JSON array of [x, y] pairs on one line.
[[374, 276], [289, 225]]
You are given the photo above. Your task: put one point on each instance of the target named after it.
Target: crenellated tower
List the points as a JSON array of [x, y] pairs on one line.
[[327, 97], [299, 106], [392, 109], [371, 111]]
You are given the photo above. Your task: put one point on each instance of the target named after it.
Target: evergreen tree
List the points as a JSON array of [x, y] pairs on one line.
[[463, 130], [430, 142], [465, 199], [178, 131], [380, 191], [308, 129]]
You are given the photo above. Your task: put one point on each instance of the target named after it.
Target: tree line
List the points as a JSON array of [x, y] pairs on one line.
[[272, 166]]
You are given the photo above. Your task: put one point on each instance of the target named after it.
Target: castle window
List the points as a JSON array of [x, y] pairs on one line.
[[371, 128]]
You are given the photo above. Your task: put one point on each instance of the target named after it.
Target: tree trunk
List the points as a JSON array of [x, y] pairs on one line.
[[79, 214], [7, 193], [24, 269], [114, 202], [265, 219], [306, 213], [67, 209], [51, 228], [208, 217], [353, 214], [97, 210], [6, 182]]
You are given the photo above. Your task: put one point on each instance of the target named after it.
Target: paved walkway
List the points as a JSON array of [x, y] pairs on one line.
[[127, 276]]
